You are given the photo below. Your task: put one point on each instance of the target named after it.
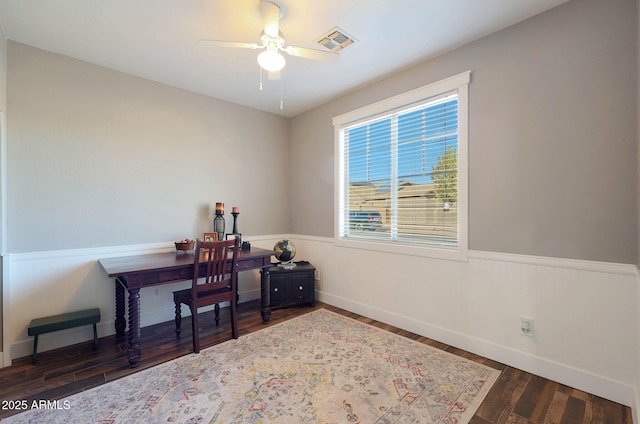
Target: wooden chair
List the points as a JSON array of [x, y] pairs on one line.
[[215, 283]]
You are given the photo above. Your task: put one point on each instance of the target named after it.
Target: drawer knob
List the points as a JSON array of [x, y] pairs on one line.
[[275, 289], [299, 287]]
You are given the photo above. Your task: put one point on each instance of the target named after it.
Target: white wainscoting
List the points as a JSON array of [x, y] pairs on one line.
[[586, 314]]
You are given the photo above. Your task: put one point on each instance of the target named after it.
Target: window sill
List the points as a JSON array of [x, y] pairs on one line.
[[459, 254]]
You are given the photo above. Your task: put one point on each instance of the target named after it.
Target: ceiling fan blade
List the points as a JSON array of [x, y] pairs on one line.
[[313, 54], [238, 44], [270, 18]]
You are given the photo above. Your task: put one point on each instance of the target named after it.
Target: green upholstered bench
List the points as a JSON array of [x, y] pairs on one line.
[[61, 322]]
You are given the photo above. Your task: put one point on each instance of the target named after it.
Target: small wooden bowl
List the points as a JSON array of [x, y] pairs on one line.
[[182, 246]]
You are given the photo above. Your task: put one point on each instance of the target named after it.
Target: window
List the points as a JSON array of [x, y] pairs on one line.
[[401, 172]]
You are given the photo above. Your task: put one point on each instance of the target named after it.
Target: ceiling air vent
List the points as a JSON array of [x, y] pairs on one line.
[[335, 40]]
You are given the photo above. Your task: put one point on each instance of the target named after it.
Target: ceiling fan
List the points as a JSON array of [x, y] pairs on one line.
[[272, 41]]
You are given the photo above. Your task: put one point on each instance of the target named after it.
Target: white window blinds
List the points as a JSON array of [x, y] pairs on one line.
[[399, 174]]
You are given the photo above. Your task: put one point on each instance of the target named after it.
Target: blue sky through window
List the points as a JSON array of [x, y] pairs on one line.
[[422, 136]]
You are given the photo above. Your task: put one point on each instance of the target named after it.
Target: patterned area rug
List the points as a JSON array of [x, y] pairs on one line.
[[321, 367]]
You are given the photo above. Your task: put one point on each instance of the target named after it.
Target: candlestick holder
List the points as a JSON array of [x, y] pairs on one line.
[[219, 224], [235, 232], [235, 222]]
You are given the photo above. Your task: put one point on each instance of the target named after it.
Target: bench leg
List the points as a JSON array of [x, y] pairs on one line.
[[34, 356], [95, 337]]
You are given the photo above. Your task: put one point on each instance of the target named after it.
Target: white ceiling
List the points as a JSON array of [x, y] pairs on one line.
[[159, 40]]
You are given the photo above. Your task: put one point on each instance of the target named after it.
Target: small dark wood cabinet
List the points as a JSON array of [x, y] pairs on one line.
[[292, 286]]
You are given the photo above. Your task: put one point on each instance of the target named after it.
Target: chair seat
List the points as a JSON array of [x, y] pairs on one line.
[[184, 296]]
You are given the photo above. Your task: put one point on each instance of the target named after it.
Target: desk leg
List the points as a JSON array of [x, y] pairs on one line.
[[134, 327], [265, 298], [121, 322]]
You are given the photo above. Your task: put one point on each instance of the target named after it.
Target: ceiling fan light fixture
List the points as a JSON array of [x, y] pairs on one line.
[[271, 60]]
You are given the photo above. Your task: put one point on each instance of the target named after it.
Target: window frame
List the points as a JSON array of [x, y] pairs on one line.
[[458, 82]]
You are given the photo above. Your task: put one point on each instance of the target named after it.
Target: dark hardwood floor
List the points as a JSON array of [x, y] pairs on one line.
[[516, 398]]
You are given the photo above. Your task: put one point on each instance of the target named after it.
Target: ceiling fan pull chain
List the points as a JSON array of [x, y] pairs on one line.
[[260, 67], [281, 102]]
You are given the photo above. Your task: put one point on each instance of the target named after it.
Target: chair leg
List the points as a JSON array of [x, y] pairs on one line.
[[194, 326], [178, 318], [217, 308], [234, 319]]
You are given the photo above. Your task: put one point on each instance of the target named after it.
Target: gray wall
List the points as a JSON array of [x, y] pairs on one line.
[[101, 158], [3, 71], [638, 133], [552, 135]]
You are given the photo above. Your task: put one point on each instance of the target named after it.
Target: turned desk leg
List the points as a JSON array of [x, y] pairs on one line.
[[265, 299], [120, 322], [134, 327]]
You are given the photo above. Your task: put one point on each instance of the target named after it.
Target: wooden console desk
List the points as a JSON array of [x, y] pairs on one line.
[[135, 272]]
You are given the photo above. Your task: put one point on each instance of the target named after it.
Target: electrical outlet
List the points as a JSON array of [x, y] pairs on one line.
[[526, 326], [156, 291]]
